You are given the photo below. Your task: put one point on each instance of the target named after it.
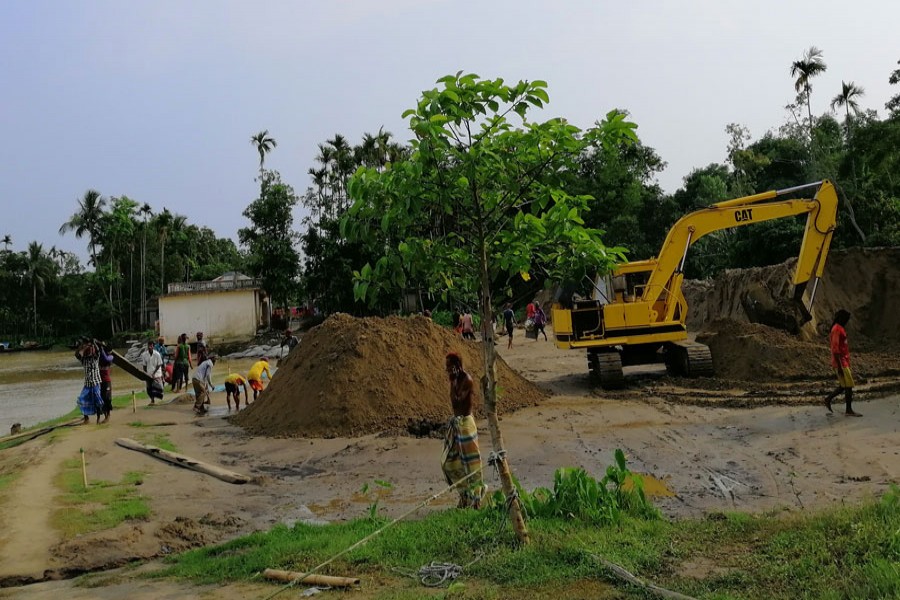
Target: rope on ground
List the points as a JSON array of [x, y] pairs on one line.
[[364, 540], [623, 574]]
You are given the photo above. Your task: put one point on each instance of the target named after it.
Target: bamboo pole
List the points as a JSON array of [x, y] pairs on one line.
[[289, 576], [83, 469], [133, 402], [184, 461]]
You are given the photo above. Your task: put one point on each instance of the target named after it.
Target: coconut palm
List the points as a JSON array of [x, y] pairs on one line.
[[7, 242], [264, 144], [850, 93], [809, 65], [87, 221]]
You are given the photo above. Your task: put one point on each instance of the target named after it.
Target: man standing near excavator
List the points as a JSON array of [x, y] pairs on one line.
[[840, 362]]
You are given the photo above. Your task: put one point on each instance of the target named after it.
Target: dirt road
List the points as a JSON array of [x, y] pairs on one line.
[[789, 455]]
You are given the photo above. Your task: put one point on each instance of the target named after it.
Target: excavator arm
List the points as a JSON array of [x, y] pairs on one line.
[[820, 224]]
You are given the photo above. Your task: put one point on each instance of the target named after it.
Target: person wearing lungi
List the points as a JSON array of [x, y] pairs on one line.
[[840, 362], [90, 402], [461, 456]]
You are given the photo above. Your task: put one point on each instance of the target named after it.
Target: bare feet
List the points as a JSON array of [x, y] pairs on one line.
[[851, 413]]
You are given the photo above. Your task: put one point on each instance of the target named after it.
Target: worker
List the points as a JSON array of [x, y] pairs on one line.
[[203, 384], [90, 401], [254, 377], [153, 366], [468, 328], [539, 319], [290, 340], [840, 362], [461, 458], [232, 382], [106, 363], [509, 319]]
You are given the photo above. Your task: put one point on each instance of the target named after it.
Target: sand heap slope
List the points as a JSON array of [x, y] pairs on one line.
[[865, 281], [352, 376]]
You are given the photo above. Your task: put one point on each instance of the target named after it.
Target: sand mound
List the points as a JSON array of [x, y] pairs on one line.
[[752, 352], [865, 281], [353, 376]]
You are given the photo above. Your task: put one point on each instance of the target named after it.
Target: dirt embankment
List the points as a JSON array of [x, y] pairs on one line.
[[864, 281], [351, 376]]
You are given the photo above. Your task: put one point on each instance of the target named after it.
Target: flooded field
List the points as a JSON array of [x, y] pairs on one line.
[[41, 385]]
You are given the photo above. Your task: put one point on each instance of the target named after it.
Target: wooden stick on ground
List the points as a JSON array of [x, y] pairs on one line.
[[328, 580], [184, 461], [83, 469], [30, 435], [623, 574]]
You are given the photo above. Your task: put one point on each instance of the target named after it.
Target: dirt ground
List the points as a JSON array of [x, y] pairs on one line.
[[716, 445]]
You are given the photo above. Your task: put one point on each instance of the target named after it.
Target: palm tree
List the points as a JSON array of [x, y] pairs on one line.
[[264, 144], [7, 242], [38, 271], [87, 220], [809, 65], [163, 227], [850, 92]]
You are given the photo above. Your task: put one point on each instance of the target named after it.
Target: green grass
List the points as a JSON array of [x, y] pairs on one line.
[[103, 505], [160, 440], [850, 552]]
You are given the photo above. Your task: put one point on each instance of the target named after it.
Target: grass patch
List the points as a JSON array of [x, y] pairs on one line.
[[103, 505], [160, 440], [851, 552]]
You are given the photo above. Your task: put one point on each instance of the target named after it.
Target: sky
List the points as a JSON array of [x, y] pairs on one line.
[[157, 99]]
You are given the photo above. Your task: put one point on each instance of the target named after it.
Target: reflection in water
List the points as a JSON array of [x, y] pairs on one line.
[[41, 385]]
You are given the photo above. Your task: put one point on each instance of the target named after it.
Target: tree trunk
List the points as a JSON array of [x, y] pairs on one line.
[[34, 304], [489, 390]]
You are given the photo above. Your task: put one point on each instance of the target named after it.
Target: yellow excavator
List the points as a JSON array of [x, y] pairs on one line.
[[636, 314]]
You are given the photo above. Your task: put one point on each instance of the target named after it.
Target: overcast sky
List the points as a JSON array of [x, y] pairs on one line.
[[158, 99]]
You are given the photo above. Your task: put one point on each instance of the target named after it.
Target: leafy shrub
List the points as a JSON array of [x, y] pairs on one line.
[[576, 494]]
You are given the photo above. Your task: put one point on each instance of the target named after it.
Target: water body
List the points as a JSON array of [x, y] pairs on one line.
[[42, 385]]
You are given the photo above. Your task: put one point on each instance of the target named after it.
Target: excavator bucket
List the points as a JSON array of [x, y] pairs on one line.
[[763, 307]]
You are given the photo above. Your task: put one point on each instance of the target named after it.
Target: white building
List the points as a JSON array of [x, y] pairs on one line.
[[229, 308]]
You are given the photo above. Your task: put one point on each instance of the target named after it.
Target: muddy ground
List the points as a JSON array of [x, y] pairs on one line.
[[717, 445]]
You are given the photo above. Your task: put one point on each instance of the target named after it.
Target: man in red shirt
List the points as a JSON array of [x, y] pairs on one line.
[[840, 362]]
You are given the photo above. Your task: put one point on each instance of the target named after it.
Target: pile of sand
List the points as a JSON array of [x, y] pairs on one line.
[[865, 281], [757, 353], [352, 376]]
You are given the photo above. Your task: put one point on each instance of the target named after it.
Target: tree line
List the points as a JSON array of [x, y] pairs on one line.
[[135, 251]]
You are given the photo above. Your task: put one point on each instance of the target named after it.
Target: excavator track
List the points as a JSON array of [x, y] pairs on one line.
[[606, 369], [689, 359]]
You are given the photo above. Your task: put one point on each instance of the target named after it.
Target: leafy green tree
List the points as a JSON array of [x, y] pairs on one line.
[[7, 242], [893, 105], [270, 238], [481, 196], [808, 66]]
